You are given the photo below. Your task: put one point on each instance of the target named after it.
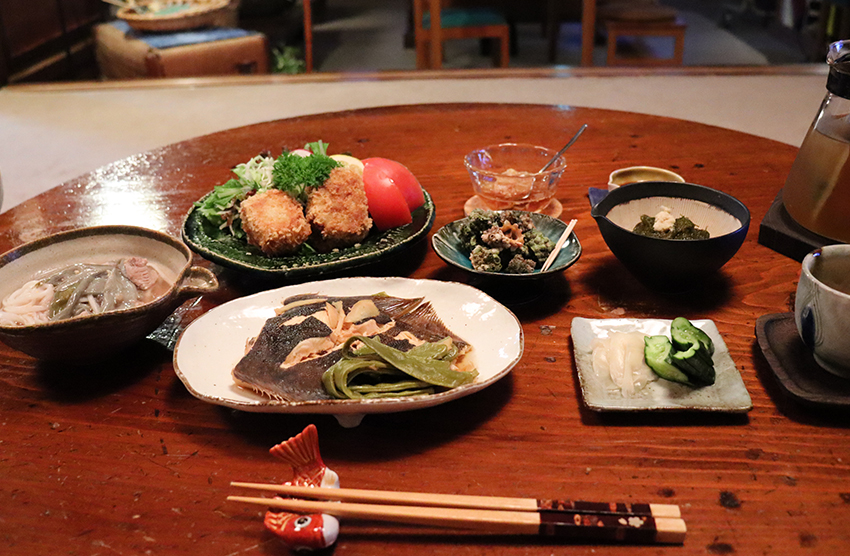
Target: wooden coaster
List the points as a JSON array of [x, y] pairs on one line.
[[781, 233], [794, 366]]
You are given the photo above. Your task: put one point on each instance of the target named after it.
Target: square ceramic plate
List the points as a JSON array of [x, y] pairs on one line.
[[727, 394]]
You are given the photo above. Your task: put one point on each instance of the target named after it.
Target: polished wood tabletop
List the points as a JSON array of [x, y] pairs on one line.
[[119, 458]]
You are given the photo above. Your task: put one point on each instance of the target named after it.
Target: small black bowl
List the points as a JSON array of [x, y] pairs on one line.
[[667, 264]]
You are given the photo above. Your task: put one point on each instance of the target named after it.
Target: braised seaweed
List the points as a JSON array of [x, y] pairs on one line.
[[682, 228]]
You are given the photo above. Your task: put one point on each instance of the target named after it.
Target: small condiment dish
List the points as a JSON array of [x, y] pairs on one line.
[[672, 264], [88, 338], [448, 245], [637, 174]]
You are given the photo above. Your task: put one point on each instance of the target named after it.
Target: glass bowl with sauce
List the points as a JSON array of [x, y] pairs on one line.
[[508, 176]]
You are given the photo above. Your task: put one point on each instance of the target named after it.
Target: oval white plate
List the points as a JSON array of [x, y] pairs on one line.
[[211, 346]]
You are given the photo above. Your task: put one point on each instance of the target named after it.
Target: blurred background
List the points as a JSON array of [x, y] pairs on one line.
[[57, 40]]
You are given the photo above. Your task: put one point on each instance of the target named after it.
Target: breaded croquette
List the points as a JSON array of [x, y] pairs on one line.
[[339, 211], [274, 221]]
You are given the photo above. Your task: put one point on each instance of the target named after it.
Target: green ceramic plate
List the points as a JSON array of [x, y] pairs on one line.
[[447, 244], [237, 254]]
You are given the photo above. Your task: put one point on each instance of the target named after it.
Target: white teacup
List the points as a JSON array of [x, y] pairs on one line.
[[822, 307]]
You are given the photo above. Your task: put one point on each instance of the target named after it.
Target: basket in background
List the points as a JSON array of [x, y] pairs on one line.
[[200, 13]]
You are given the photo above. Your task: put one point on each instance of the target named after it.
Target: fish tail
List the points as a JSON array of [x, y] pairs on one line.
[[302, 450]]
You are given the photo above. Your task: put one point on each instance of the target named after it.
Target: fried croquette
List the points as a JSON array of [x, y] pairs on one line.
[[339, 211], [274, 221]]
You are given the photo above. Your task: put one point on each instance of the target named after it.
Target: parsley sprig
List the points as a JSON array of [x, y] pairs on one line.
[[298, 175]]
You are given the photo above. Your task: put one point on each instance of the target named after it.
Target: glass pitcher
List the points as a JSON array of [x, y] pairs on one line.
[[817, 191]]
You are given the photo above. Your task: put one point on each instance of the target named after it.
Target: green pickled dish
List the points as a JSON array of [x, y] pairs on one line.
[[379, 371], [658, 353]]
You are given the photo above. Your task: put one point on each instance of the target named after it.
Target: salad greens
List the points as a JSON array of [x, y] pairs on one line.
[[295, 172]]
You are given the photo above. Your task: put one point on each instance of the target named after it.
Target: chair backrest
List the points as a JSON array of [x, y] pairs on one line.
[[433, 33]]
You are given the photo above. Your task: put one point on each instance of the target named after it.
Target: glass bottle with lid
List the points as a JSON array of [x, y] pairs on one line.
[[817, 191]]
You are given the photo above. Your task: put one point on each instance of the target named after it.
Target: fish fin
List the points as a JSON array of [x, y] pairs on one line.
[[395, 307], [301, 452], [259, 390], [427, 325]]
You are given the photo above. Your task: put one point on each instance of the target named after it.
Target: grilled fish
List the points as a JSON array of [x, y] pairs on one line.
[[287, 359]]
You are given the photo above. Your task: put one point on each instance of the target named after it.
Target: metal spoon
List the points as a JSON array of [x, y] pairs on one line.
[[563, 150]]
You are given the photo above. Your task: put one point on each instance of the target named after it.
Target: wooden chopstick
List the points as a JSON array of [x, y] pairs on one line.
[[601, 527], [466, 501], [559, 245]]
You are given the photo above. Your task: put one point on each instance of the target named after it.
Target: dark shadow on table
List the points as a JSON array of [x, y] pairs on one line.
[[529, 300], [80, 383], [379, 436], [365, 532], [618, 288]]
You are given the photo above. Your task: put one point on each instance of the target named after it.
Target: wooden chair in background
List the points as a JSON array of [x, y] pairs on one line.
[[641, 18], [436, 25], [308, 36]]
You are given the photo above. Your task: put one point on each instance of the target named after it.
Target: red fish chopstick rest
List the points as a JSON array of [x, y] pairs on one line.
[[304, 531]]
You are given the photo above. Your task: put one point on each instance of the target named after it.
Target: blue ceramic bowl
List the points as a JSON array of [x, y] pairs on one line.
[[447, 244], [667, 264]]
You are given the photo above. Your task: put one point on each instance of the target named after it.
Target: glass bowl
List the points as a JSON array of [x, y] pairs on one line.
[[507, 176]]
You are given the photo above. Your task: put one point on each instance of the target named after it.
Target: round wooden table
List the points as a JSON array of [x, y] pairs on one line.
[[119, 458]]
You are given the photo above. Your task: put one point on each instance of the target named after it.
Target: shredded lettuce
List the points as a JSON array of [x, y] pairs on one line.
[[257, 172]]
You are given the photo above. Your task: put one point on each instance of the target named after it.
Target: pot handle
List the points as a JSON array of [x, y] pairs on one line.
[[198, 281]]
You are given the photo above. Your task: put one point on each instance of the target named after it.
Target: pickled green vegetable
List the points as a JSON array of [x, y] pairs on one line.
[[684, 334], [686, 359], [658, 352], [377, 370], [693, 363]]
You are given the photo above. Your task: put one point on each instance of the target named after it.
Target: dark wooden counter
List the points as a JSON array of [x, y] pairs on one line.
[[120, 459]]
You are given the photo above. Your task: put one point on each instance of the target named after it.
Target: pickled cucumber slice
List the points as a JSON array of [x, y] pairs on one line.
[[658, 352]]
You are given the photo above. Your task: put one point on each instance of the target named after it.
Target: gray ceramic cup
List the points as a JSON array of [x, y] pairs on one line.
[[822, 307]]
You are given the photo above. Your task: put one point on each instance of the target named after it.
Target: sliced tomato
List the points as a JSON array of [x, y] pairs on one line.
[[387, 205], [384, 169]]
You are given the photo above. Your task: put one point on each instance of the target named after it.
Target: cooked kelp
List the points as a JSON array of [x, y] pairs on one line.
[[288, 358]]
